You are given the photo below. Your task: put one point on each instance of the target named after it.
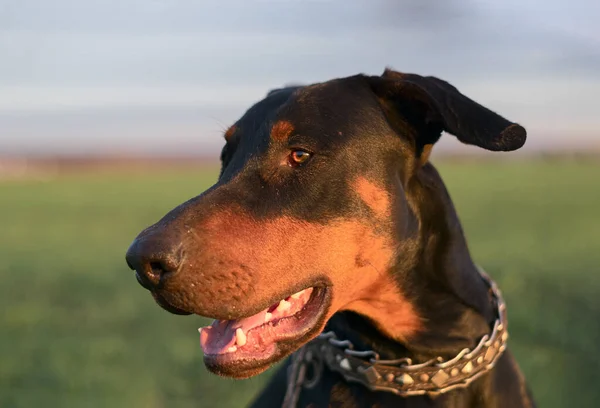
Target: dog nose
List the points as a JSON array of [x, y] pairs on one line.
[[154, 259]]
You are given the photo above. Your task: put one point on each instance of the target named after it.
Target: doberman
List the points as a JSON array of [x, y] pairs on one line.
[[331, 236]]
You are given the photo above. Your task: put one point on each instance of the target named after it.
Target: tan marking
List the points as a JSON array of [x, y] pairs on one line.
[[425, 154], [389, 309], [281, 130], [276, 254], [376, 198], [230, 132]]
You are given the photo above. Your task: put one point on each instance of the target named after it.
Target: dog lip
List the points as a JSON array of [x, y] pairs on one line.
[[167, 306], [239, 313], [161, 300]]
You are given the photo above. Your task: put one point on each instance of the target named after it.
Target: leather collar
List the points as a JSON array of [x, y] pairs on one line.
[[401, 377]]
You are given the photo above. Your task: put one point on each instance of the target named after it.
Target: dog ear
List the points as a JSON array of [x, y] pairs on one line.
[[433, 105]]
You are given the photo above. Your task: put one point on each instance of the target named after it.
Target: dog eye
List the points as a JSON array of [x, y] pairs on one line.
[[298, 157]]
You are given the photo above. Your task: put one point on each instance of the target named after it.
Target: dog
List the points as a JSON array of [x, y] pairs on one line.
[[331, 238]]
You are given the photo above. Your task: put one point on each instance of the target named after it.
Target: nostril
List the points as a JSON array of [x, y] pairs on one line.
[[152, 273], [157, 270]]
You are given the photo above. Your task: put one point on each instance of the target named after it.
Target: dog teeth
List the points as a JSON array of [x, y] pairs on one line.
[[268, 317], [240, 337], [297, 295], [232, 349], [283, 306]]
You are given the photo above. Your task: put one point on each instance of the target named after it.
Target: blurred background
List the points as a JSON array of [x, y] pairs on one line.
[[112, 113]]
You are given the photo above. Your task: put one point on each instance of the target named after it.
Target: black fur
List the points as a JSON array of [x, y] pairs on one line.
[[376, 127]]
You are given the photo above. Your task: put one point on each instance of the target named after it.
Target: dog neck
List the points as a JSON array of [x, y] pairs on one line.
[[441, 282]]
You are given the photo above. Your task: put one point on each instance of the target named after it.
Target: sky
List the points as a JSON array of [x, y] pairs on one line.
[[168, 76]]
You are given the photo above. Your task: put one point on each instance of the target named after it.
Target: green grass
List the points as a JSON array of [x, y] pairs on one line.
[[77, 331]]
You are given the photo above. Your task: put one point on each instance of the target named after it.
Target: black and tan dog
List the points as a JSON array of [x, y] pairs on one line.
[[328, 218]]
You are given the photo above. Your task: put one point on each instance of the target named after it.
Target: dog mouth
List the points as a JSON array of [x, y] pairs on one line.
[[266, 335]]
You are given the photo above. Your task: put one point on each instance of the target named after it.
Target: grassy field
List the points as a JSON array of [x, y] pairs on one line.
[[76, 330]]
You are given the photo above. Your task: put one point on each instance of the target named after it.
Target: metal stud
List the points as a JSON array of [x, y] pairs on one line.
[[440, 378], [424, 377], [369, 372], [467, 368], [405, 379], [479, 359], [454, 372], [345, 364], [389, 377], [489, 354]]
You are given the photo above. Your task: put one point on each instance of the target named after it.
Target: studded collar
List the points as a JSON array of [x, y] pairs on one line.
[[401, 377]]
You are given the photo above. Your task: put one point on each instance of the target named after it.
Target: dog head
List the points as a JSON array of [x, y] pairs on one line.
[[313, 213]]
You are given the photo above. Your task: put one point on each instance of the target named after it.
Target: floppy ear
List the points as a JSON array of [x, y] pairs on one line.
[[433, 105]]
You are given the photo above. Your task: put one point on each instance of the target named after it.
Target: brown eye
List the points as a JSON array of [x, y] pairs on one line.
[[298, 157]]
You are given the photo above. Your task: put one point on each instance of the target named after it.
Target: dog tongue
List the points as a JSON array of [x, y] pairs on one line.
[[220, 336]]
